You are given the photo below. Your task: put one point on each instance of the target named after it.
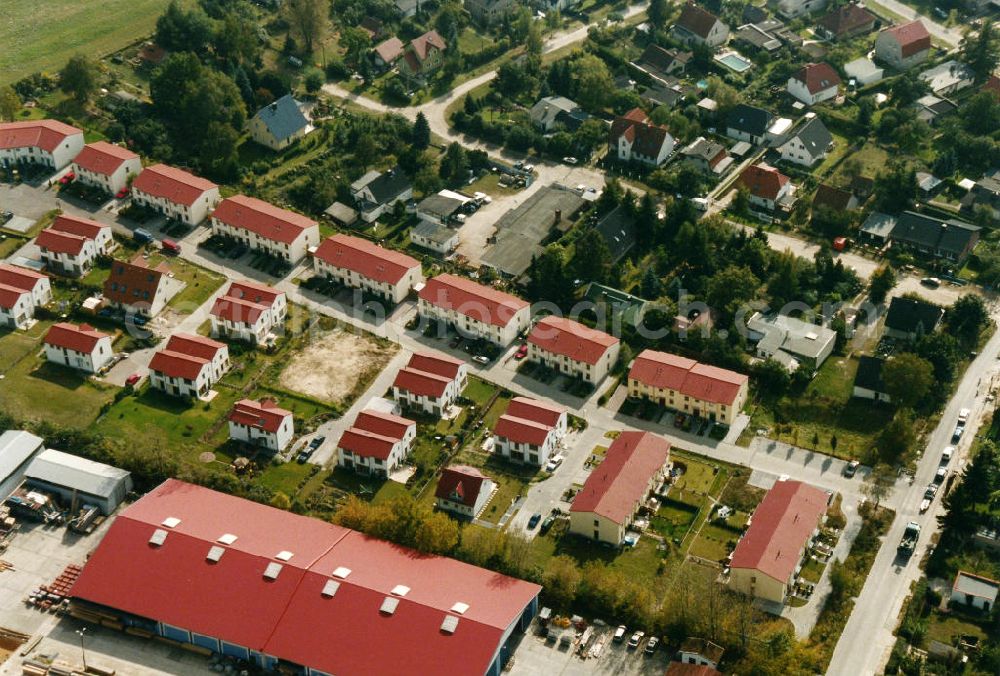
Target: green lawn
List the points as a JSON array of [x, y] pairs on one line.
[[947, 629], [42, 35], [640, 563], [286, 477]]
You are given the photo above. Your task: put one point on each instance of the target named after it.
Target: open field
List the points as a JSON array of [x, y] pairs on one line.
[[41, 35]]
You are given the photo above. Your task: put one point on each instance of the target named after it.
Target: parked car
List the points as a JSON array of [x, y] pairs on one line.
[[651, 645], [121, 193], [522, 351], [932, 282], [851, 468], [316, 442], [925, 504], [940, 475], [547, 524], [570, 160], [963, 416], [528, 168], [636, 638], [6, 216], [69, 176], [931, 491], [533, 521], [619, 633], [303, 455], [481, 359], [455, 342], [142, 236], [946, 454], [957, 434], [133, 379], [554, 462]]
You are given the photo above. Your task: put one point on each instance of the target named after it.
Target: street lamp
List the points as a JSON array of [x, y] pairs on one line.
[[81, 632]]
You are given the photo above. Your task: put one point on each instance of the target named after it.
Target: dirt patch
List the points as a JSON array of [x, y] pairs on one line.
[[335, 366]]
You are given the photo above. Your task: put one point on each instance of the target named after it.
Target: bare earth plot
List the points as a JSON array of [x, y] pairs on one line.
[[40, 35], [334, 365]]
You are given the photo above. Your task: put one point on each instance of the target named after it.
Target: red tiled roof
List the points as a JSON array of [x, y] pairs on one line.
[[237, 311], [562, 336], [912, 37], [521, 431], [436, 363], [262, 415], [20, 278], [366, 258], [172, 184], [103, 157], [367, 444], [386, 424], [10, 295], [696, 20], [616, 487], [262, 294], [847, 19], [177, 365], [268, 221], [422, 44], [762, 181], [82, 338], [390, 50], [832, 198], [194, 346], [230, 599], [78, 226], [60, 242], [44, 134], [460, 483], [817, 77], [779, 529], [700, 381], [535, 410], [683, 669], [482, 303], [646, 138], [421, 383], [132, 283]]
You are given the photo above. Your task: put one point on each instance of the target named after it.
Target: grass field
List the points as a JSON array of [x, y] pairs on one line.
[[40, 35]]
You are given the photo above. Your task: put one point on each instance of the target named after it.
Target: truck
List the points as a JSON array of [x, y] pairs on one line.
[[142, 236], [909, 541]]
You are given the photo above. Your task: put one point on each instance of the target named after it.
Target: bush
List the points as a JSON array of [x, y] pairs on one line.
[[314, 80]]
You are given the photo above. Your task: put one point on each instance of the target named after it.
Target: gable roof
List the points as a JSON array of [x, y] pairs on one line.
[[172, 184], [521, 431], [437, 363], [385, 424], [779, 529], [194, 345], [237, 310], [952, 235], [572, 339], [912, 37], [282, 117], [367, 444], [911, 315], [79, 338], [869, 374], [535, 410], [817, 77], [385, 186], [662, 60], [763, 181], [178, 364], [10, 295], [688, 377], [60, 242], [421, 383], [749, 119], [618, 229], [78, 226], [847, 19], [696, 20], [390, 49], [646, 138], [261, 294], [423, 44], [814, 136], [44, 134], [103, 158], [832, 198], [616, 487], [263, 415], [460, 483], [476, 301], [263, 218], [131, 283], [366, 258], [20, 278]]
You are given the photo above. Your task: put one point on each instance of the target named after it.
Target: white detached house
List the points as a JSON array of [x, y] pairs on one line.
[[82, 347], [814, 83], [261, 424], [35, 283], [464, 491]]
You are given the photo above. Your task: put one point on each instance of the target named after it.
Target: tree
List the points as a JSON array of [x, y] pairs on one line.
[[314, 80], [10, 103], [591, 258], [307, 20], [725, 95], [981, 52], [236, 39], [180, 30], [281, 501], [454, 164], [437, 533], [967, 317], [897, 437], [882, 282], [365, 151], [78, 78], [533, 41], [879, 483], [659, 12], [548, 276], [421, 138], [562, 579], [896, 188], [590, 82], [908, 379], [356, 43], [730, 288]]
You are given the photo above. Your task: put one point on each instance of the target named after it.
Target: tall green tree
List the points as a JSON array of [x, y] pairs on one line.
[[882, 282], [549, 279], [184, 30], [454, 164], [307, 20], [10, 103], [421, 132], [591, 82], [591, 258], [78, 78], [659, 13], [355, 43], [981, 51], [967, 317], [908, 379]]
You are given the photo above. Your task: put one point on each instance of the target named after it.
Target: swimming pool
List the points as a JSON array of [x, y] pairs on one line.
[[734, 61]]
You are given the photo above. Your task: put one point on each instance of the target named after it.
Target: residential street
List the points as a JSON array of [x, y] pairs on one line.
[[950, 36]]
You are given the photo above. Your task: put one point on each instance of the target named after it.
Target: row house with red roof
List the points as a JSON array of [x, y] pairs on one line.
[[71, 244], [634, 466], [134, 288], [636, 139], [106, 166], [767, 187], [361, 264], [81, 347], [685, 385], [261, 226], [572, 349], [175, 193], [261, 423], [814, 83], [430, 382], [21, 292], [464, 490], [47, 142], [473, 309], [529, 431], [248, 312], [377, 443], [767, 558], [903, 46], [188, 365]]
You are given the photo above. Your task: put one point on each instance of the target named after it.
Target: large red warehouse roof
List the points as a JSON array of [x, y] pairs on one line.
[[322, 607], [779, 529]]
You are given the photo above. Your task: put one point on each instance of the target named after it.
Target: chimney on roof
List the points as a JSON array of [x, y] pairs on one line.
[[558, 216], [274, 107]]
